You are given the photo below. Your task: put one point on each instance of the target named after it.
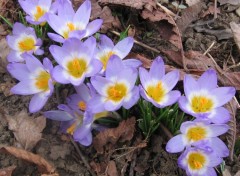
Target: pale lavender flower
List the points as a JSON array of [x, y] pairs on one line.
[[116, 89], [37, 10], [34, 78], [199, 133], [23, 39], [204, 99], [68, 24], [106, 48], [157, 87], [198, 162], [75, 59]]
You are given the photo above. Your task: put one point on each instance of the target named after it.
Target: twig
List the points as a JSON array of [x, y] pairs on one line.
[[215, 9], [169, 12], [233, 66], [138, 43], [82, 157], [166, 131], [209, 48]]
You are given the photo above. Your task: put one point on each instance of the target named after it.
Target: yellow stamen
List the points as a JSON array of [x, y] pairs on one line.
[[39, 13], [72, 128], [77, 67], [201, 104], [82, 105], [42, 81], [70, 27], [27, 44], [196, 161], [101, 115], [196, 133], [104, 58], [156, 92], [117, 92]]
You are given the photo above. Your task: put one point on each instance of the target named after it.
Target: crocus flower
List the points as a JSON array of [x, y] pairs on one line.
[[156, 86], [105, 49], [23, 39], [75, 59], [69, 24], [116, 89], [204, 100], [37, 10], [199, 162], [195, 133], [34, 78], [75, 123]]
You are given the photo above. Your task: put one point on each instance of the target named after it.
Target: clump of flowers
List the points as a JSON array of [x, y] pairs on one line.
[[105, 81]]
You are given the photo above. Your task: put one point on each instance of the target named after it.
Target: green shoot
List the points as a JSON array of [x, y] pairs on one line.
[[6, 21]]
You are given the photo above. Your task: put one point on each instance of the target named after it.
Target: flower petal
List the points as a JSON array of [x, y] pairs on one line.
[[144, 76], [60, 75], [14, 56], [94, 67], [25, 87], [190, 85], [82, 15], [183, 105], [132, 98], [210, 172], [134, 63], [100, 84], [18, 71], [37, 102], [65, 10], [128, 75], [83, 92], [18, 28], [170, 80], [56, 37], [58, 115], [223, 95], [217, 129], [171, 98], [112, 106], [105, 42], [219, 147], [96, 104], [93, 27], [208, 80], [157, 69], [114, 66], [55, 22], [32, 62], [47, 64], [175, 144], [220, 115], [58, 53], [123, 47]]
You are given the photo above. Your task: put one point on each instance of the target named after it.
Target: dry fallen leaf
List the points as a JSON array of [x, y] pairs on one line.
[[27, 130], [232, 2], [236, 33], [7, 171], [189, 15], [210, 10], [112, 169], [192, 2], [43, 165], [109, 137], [4, 51]]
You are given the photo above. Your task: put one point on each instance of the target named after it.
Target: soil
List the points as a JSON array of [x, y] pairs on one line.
[[151, 160]]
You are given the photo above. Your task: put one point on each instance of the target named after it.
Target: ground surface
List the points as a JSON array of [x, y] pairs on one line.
[[152, 27]]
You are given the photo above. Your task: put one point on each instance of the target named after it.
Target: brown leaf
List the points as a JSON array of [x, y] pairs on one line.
[[236, 33], [4, 51], [189, 15], [112, 169], [7, 171], [168, 30], [192, 2], [232, 2], [210, 10], [27, 130], [43, 165], [109, 137], [231, 137], [136, 4]]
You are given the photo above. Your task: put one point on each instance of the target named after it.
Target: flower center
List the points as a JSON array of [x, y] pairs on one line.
[[27, 44], [42, 81], [201, 104], [39, 13], [156, 92], [77, 67], [117, 92], [72, 128], [196, 133], [104, 58], [75, 124], [70, 27], [196, 161], [82, 105]]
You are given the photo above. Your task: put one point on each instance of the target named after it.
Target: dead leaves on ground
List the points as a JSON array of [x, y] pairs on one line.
[[27, 130], [236, 33], [43, 165], [7, 171]]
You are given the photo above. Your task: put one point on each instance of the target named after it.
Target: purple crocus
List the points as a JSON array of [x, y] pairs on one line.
[[37, 10], [157, 87], [106, 48], [199, 162], [23, 39], [35, 78], [199, 133], [75, 59], [68, 24], [116, 89], [204, 99]]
